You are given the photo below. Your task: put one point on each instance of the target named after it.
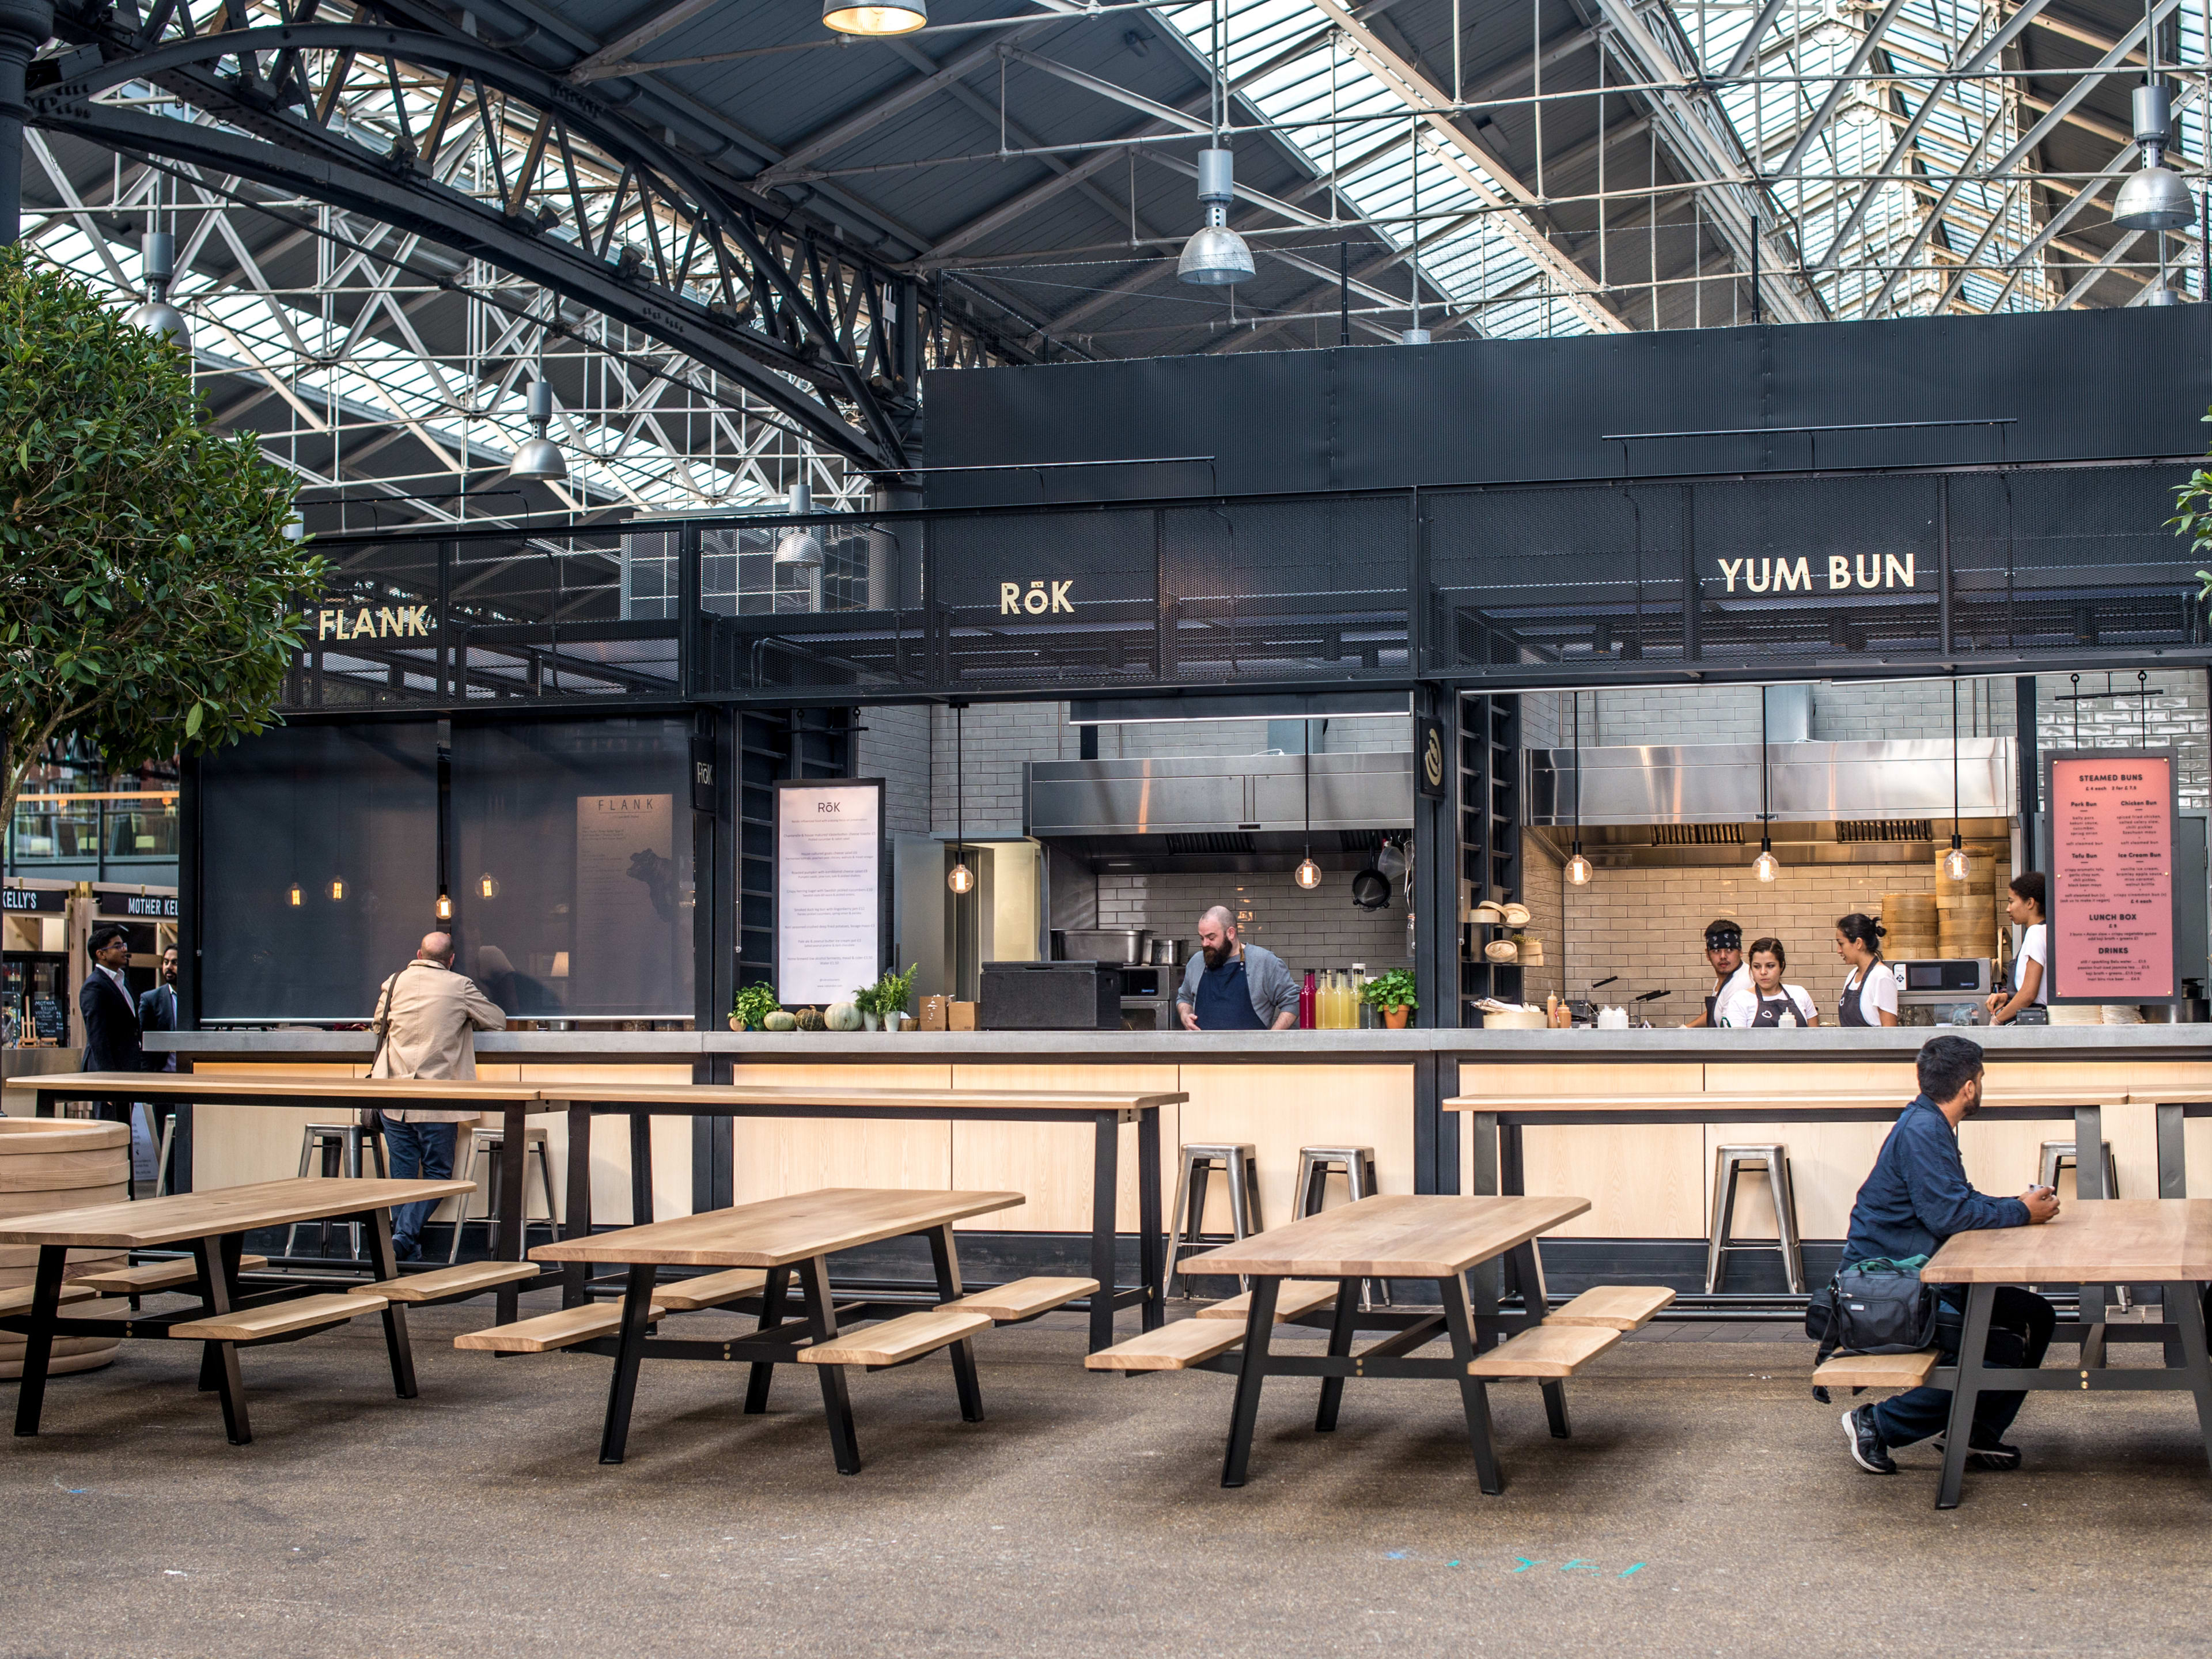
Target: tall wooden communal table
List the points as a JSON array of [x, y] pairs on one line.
[[1395, 1236], [778, 1234], [2166, 1241], [1107, 1110], [215, 1225], [511, 1103]]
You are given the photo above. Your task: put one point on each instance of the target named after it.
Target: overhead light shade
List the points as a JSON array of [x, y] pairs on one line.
[[155, 314], [1579, 871], [800, 548], [1308, 875], [538, 458], [445, 905], [295, 526], [1413, 337], [161, 318], [2155, 198], [960, 878], [1766, 866], [2162, 295], [1215, 256], [846, 19]]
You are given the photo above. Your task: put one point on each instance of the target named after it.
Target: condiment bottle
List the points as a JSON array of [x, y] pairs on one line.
[[1307, 996]]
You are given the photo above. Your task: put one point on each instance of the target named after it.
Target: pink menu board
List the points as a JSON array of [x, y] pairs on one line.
[[2112, 933]]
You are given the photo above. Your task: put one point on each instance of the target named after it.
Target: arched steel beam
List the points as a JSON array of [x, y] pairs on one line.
[[297, 154]]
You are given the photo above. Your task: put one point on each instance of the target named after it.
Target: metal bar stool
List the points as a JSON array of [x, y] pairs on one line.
[[1729, 1163], [1356, 1165], [1186, 1218], [2056, 1154], [336, 1147], [488, 1144]]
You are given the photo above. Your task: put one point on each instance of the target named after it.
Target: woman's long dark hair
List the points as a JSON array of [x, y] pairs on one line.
[[1861, 929]]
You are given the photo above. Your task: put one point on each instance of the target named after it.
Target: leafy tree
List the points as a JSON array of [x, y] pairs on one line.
[[150, 598]]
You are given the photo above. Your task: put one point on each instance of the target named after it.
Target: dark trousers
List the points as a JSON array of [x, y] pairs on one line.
[[2021, 1324], [416, 1151]]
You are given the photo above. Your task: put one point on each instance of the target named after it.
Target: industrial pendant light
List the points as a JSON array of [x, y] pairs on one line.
[[2153, 198], [799, 549], [1766, 867], [1578, 868], [338, 889], [961, 879], [538, 458], [1416, 335], [487, 886], [1216, 255], [1954, 861], [445, 905], [158, 253], [903, 18], [1307, 874]]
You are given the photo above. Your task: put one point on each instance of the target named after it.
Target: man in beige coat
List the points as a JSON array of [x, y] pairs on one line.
[[426, 1021]]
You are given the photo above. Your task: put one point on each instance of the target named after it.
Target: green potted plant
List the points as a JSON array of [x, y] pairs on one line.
[[1393, 993], [883, 1003], [750, 1011]]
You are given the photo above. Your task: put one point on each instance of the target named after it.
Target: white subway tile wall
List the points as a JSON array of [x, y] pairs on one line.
[[1318, 929]]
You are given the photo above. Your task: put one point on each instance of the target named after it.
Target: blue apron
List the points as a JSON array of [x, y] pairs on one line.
[[1223, 1002]]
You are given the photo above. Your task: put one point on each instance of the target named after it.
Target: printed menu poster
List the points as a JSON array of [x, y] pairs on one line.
[[829, 873], [2112, 869], [629, 919]]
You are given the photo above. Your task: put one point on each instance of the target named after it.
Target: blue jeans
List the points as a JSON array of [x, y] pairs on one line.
[[416, 1151], [2020, 1323]]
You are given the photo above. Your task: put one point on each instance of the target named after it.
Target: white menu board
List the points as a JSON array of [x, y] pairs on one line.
[[828, 888]]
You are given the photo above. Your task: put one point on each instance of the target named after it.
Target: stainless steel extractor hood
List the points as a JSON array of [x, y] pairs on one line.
[[1222, 812]]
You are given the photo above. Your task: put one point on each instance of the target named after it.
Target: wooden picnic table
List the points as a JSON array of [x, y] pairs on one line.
[[1395, 1236], [799, 1232], [215, 1225], [2166, 1241]]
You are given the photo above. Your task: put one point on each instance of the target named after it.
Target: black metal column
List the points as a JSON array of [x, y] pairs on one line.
[[24, 27]]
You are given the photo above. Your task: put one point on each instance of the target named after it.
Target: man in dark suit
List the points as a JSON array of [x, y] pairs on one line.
[[111, 1042]]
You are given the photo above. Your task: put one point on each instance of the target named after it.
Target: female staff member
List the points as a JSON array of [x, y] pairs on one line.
[[1766, 1002], [2028, 988], [1870, 991]]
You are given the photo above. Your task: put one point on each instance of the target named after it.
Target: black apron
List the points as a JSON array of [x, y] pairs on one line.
[[1848, 1011], [1771, 1009]]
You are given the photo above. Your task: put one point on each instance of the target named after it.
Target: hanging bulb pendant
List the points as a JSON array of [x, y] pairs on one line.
[[1307, 873], [1579, 870], [445, 906], [1954, 862], [1766, 866], [961, 878]]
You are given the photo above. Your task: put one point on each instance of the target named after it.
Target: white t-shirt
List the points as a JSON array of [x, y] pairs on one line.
[[1740, 1008], [2034, 946], [1736, 984], [1877, 993]]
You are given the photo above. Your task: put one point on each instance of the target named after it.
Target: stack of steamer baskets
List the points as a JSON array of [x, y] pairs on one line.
[[1909, 923], [1967, 911], [56, 1164]]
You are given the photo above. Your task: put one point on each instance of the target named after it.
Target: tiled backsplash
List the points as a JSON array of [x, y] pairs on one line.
[[1318, 929]]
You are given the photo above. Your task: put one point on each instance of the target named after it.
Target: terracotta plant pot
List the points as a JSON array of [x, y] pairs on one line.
[[1395, 1018]]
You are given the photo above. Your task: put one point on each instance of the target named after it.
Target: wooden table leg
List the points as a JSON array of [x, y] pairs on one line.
[[38, 1341], [575, 1276], [944, 1257], [385, 1264], [836, 1406], [1105, 1199], [2186, 1309], [622, 1388], [1259, 1328], [1152, 1246], [1973, 1340], [1474, 1392], [218, 1265], [774, 1295], [514, 1201], [1340, 1345]]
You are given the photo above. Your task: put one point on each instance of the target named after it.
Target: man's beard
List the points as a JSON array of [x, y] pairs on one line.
[[1975, 1107], [1215, 955]]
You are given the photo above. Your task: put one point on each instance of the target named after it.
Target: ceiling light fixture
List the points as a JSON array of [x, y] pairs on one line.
[[1954, 861], [158, 253], [1307, 874], [1216, 255], [538, 458], [800, 550], [1578, 868], [900, 19], [961, 879], [445, 905], [487, 886], [1766, 867], [2153, 198]]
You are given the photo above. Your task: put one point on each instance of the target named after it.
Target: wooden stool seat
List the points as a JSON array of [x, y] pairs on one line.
[[1026, 1299], [895, 1341], [1877, 1370], [1547, 1353], [305, 1313], [548, 1332], [1296, 1297], [1173, 1348], [710, 1290], [1615, 1307], [445, 1283]]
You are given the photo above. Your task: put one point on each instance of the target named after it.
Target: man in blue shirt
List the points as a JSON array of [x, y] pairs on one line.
[[1917, 1196], [1230, 986]]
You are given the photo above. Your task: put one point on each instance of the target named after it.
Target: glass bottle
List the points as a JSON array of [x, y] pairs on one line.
[[1363, 1011], [1308, 996]]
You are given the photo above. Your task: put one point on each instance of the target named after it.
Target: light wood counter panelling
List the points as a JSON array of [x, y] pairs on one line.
[[774, 1156], [1052, 1162], [1280, 1108]]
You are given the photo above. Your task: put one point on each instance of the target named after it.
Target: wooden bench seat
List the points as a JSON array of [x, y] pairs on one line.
[[710, 1290], [1173, 1348], [1877, 1370], [1613, 1307], [441, 1284], [17, 1298], [149, 1276], [1295, 1297], [548, 1332], [304, 1313], [897, 1340], [1548, 1353], [1026, 1299]]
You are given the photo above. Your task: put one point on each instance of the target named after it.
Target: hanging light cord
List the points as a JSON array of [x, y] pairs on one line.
[[1578, 773], [1955, 765], [1765, 810], [1307, 771]]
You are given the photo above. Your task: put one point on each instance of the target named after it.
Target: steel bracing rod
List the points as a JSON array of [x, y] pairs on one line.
[[2083, 86], [1938, 211], [184, 67]]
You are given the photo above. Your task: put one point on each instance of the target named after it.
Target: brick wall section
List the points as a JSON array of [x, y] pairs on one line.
[[2177, 716], [1320, 929], [894, 746], [997, 738]]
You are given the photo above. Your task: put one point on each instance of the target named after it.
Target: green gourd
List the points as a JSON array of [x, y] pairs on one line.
[[809, 1020], [780, 1021], [843, 1017]]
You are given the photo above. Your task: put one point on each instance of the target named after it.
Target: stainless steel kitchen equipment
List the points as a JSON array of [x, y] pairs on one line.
[[1943, 990], [1148, 997], [1124, 946]]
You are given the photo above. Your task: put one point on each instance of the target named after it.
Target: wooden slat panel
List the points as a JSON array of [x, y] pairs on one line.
[[774, 1156], [1279, 1108], [671, 1143], [1051, 1162], [1643, 1182]]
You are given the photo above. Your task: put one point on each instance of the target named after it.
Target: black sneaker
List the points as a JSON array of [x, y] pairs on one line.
[[1996, 1459], [1867, 1449]]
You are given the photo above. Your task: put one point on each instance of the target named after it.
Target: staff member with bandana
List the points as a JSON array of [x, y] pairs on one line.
[[1725, 955], [1768, 1003], [1869, 995]]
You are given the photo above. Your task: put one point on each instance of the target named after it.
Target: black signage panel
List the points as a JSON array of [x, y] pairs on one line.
[[140, 906], [48, 1019], [26, 901]]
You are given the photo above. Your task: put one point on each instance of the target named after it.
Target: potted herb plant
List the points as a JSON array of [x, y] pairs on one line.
[[1393, 993], [883, 1004], [752, 1006]]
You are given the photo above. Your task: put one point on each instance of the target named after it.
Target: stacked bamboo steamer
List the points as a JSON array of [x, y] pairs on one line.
[[1967, 911], [1909, 926], [54, 1163]]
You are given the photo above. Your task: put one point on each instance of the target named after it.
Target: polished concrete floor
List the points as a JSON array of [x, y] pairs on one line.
[[1705, 1505]]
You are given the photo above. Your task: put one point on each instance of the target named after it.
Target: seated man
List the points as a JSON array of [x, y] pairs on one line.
[[1916, 1197]]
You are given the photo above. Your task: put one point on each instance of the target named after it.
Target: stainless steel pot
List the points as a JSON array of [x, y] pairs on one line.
[[1124, 945], [1166, 953]]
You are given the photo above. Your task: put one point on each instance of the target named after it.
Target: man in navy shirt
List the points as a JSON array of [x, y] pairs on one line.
[[1917, 1196]]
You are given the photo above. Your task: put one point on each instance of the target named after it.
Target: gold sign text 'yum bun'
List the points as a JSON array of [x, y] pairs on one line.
[[1865, 571]]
